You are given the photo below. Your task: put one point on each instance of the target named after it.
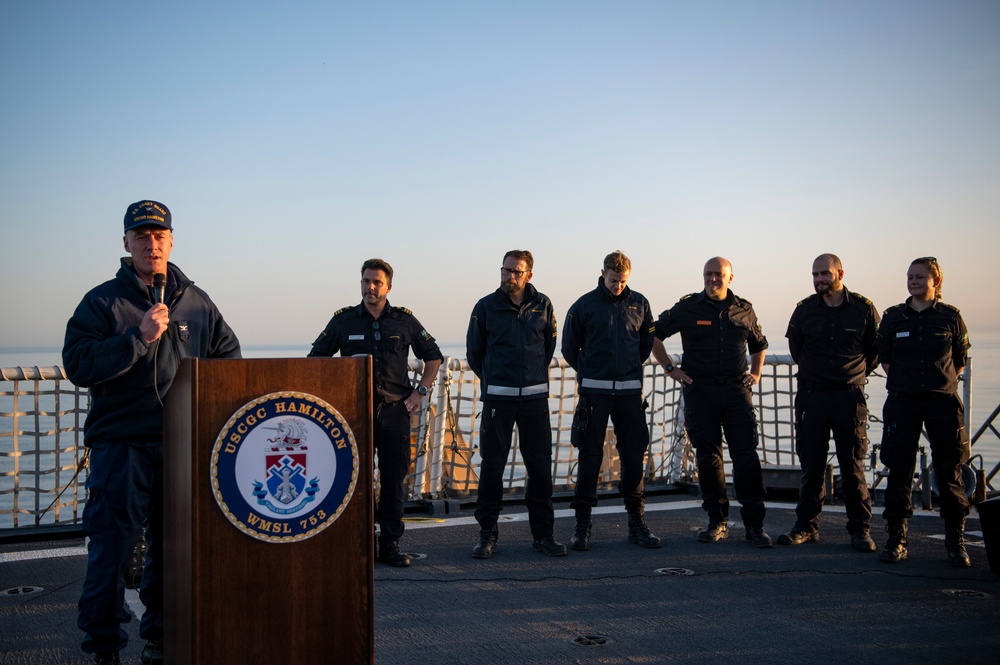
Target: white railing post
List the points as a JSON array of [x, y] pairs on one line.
[[967, 394], [436, 439]]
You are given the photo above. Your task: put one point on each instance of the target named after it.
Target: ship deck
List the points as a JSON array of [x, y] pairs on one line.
[[617, 603]]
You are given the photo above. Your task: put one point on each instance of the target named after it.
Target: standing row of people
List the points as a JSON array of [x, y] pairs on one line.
[[126, 339], [836, 339], [833, 337], [609, 334]]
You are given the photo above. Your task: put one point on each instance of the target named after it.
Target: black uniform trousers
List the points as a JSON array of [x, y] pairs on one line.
[[631, 439], [535, 443], [712, 407], [391, 436], [126, 495], [903, 416], [844, 411]]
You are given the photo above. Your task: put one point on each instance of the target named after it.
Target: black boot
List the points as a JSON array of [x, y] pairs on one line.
[[388, 552], [954, 540], [895, 547], [152, 653], [487, 544], [580, 540], [639, 533], [758, 537], [861, 540]]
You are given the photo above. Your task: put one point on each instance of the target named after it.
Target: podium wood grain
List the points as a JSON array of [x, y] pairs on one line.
[[229, 597]]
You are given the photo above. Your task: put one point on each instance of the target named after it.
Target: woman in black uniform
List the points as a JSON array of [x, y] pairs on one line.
[[923, 348]]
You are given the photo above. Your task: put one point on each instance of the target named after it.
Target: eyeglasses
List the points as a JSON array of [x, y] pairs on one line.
[[507, 272], [925, 259], [378, 335]]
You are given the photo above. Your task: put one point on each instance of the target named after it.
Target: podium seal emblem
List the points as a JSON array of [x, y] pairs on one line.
[[284, 467]]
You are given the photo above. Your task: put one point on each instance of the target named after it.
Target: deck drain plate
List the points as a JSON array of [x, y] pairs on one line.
[[966, 593], [20, 590], [592, 640], [674, 571]]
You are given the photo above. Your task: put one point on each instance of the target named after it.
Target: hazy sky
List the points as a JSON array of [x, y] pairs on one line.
[[294, 140]]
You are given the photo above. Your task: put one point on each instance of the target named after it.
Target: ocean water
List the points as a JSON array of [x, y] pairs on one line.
[[984, 376]]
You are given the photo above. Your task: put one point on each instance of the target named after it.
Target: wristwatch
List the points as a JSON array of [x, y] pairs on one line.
[[669, 368], [422, 390]]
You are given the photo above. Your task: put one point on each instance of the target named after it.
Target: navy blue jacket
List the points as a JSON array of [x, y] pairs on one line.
[[607, 339], [104, 351], [510, 347]]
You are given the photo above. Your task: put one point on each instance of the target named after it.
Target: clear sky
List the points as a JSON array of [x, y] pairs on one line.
[[294, 140]]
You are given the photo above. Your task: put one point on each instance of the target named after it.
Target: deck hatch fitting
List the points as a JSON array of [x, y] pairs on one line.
[[674, 571]]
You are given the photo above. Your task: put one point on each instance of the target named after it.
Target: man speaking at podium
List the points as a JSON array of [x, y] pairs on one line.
[[125, 342]]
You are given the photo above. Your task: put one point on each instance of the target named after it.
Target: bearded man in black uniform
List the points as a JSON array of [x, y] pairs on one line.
[[509, 345], [833, 338], [387, 334]]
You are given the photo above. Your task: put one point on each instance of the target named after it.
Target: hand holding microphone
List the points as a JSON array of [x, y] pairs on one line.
[[157, 318], [159, 287]]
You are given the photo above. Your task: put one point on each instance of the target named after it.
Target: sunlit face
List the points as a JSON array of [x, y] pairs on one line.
[[826, 277], [150, 248], [718, 275], [920, 283], [514, 275], [375, 287], [615, 281]]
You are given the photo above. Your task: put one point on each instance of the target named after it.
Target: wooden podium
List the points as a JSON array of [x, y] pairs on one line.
[[245, 587]]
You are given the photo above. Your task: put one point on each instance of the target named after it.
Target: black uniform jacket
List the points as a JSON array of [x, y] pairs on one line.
[[715, 335], [354, 332], [834, 345], [510, 347], [607, 339], [923, 349]]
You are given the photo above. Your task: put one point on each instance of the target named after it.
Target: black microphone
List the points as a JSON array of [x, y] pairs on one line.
[[159, 286]]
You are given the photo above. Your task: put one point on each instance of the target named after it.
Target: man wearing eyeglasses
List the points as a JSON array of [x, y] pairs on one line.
[[510, 342], [387, 334], [607, 338], [832, 337]]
